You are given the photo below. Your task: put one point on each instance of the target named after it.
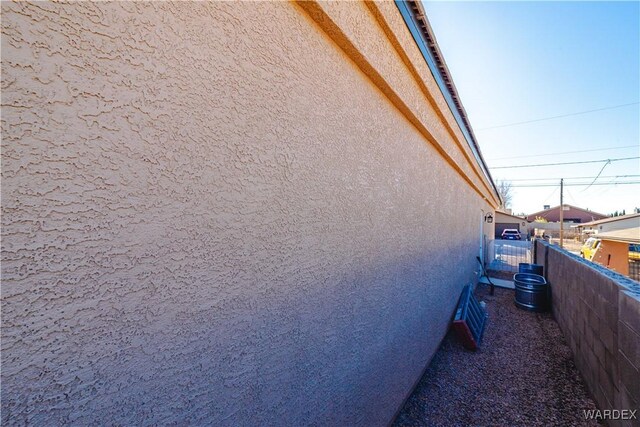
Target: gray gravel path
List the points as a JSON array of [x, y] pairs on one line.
[[523, 375]]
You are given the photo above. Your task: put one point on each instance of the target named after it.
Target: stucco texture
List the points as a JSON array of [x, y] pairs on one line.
[[212, 215]]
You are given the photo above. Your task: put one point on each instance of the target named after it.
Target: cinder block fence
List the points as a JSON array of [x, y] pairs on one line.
[[598, 311]]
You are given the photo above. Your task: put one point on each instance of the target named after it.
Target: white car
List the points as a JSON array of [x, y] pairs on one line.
[[511, 234]]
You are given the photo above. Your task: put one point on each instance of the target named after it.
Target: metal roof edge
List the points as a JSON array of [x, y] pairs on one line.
[[625, 235], [610, 219], [571, 206], [416, 20]]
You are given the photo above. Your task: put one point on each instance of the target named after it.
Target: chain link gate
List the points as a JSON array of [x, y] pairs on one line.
[[506, 255]]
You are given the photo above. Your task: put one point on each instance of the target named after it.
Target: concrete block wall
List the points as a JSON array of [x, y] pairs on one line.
[[598, 311], [629, 349]]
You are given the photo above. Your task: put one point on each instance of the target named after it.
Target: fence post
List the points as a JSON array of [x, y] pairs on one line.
[[546, 262]]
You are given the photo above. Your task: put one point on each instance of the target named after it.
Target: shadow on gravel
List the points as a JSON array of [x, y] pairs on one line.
[[523, 375]]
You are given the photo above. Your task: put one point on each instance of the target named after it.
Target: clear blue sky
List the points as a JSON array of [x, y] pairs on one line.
[[520, 61]]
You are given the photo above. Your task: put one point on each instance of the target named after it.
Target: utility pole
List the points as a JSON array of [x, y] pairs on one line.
[[561, 215]]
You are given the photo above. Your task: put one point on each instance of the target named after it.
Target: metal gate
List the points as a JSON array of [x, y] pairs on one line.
[[506, 255]]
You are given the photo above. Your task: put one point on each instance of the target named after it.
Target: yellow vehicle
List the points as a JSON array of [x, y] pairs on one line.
[[589, 248]]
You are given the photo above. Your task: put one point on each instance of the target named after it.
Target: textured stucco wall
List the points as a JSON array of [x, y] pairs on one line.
[[212, 214]]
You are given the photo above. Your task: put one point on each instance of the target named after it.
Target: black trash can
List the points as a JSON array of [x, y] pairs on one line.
[[532, 292], [538, 269]]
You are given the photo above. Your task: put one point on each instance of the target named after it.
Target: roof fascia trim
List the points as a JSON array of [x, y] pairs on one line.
[[444, 83]]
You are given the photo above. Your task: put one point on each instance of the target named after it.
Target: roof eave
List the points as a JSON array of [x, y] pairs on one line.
[[419, 15]]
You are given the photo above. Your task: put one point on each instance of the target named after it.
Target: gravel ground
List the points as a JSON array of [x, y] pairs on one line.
[[523, 375]]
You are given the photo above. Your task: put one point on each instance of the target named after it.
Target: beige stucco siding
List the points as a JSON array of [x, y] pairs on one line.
[[618, 224], [375, 37], [212, 215]]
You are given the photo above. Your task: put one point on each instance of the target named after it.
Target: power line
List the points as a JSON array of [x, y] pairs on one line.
[[565, 152], [558, 117], [574, 177], [565, 163], [575, 184], [550, 195], [599, 173], [570, 195]]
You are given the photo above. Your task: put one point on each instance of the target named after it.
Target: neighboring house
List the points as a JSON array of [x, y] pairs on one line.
[[505, 220], [570, 214], [229, 213], [609, 224], [613, 251]]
